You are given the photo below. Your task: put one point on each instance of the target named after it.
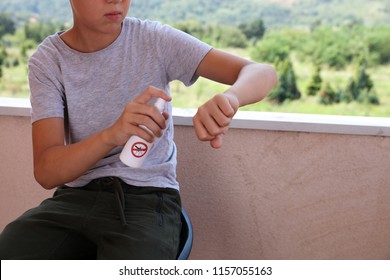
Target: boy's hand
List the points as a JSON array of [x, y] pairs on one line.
[[213, 118], [137, 113]]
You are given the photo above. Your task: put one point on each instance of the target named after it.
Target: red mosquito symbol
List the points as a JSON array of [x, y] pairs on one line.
[[139, 149]]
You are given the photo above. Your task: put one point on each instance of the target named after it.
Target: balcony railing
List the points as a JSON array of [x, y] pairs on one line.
[[283, 186]]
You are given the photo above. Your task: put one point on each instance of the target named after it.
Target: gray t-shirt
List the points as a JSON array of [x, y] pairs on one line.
[[90, 91]]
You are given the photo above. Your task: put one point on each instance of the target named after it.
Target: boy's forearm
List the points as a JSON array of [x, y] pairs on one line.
[[254, 83], [63, 164]]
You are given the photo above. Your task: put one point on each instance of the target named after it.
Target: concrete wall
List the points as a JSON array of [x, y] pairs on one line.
[[264, 195], [18, 189]]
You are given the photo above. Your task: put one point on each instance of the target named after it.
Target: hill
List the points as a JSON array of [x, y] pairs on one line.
[[274, 12]]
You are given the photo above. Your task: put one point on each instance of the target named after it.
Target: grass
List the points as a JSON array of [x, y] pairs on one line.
[[14, 82]]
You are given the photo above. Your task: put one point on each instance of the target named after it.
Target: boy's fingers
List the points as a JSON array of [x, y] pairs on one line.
[[216, 143], [150, 93], [224, 105], [200, 130], [203, 134], [211, 122]]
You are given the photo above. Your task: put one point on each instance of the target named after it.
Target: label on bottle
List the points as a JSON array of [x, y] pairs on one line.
[[139, 149]]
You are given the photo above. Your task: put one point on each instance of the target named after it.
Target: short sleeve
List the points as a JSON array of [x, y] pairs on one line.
[[181, 54], [46, 94]]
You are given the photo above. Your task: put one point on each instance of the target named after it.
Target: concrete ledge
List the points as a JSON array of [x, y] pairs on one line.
[[299, 122], [14, 107], [257, 120]]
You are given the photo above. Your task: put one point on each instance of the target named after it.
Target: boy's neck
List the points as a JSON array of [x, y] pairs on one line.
[[88, 42]]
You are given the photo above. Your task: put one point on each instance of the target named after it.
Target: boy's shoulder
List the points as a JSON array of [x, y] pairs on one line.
[[144, 24], [48, 47], [141, 22]]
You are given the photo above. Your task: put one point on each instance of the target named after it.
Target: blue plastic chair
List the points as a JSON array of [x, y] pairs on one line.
[[186, 237]]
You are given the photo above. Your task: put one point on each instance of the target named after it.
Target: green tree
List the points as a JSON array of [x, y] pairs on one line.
[[270, 49], [27, 45], [378, 42], [254, 30], [7, 25], [192, 27], [40, 30], [335, 47], [226, 36], [328, 95], [287, 88], [215, 34], [3, 55], [315, 83], [361, 86]]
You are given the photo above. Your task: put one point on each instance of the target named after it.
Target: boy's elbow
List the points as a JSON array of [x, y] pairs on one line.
[[42, 180], [272, 75], [268, 78]]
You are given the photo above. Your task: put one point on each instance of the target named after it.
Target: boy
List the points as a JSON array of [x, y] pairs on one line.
[[93, 85]]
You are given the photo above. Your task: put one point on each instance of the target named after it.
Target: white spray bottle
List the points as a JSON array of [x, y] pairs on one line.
[[136, 149]]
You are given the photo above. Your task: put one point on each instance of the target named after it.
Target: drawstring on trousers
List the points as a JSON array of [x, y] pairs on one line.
[[120, 198]]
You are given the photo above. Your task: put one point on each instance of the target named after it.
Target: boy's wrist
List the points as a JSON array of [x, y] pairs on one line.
[[106, 139], [233, 98]]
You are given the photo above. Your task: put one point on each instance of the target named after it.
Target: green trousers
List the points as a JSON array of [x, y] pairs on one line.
[[106, 219]]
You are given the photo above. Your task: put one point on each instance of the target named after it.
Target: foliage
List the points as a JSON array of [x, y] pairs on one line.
[[254, 30], [332, 46], [287, 88], [7, 25], [26, 46], [39, 31], [360, 88], [336, 47], [378, 42], [271, 48], [3, 56], [222, 36], [44, 9], [315, 83], [328, 95]]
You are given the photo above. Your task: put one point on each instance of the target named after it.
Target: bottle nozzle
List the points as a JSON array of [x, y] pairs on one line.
[[160, 104]]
